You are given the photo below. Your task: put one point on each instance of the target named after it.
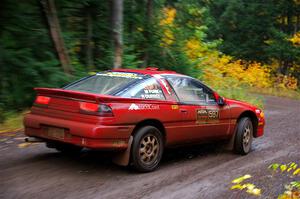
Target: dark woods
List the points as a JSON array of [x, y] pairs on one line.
[[48, 43]]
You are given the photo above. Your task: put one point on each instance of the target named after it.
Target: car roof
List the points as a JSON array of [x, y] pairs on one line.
[[146, 71]]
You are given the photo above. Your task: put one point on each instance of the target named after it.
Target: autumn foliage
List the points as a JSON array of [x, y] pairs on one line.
[[221, 71]]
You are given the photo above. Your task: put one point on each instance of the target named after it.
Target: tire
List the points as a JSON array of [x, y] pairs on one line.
[[64, 148], [243, 136], [147, 149]]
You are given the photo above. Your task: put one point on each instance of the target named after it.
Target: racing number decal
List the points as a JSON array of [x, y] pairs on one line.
[[213, 114], [207, 115]]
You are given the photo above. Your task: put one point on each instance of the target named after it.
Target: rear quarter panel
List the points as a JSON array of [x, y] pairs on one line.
[[165, 112]]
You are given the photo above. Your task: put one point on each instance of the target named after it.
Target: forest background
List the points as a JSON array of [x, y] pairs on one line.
[[237, 47]]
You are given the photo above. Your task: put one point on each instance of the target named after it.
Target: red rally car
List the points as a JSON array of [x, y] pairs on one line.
[[138, 113]]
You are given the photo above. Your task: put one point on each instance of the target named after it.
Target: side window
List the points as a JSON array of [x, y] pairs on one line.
[[148, 89], [191, 91]]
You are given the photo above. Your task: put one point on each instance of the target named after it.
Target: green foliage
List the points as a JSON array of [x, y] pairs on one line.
[[13, 121], [247, 26], [251, 30], [241, 94], [26, 55]]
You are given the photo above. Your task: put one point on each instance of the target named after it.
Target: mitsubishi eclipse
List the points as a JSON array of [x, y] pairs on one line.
[[138, 113]]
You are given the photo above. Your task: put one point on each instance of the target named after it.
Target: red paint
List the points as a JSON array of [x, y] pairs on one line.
[[68, 110]]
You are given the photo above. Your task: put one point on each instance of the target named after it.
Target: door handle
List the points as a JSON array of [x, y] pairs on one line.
[[183, 110]]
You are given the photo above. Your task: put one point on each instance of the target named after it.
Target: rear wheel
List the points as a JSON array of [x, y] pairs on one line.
[[244, 136], [147, 149]]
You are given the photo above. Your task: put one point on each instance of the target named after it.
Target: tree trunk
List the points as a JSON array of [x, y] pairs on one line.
[[55, 31], [90, 44], [117, 26], [149, 13], [297, 24]]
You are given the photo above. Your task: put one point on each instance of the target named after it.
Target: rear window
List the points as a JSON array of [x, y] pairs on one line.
[[106, 83]]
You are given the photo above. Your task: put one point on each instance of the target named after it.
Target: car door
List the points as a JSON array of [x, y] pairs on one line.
[[202, 117]]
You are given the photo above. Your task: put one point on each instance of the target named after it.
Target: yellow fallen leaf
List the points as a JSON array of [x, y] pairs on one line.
[[283, 167], [237, 186], [274, 166], [24, 145], [296, 172], [295, 166], [256, 192], [250, 186], [241, 179]]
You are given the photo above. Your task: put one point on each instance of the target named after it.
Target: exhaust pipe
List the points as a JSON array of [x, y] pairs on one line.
[[33, 140]]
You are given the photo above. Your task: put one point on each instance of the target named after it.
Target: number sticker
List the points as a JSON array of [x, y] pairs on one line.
[[207, 115]]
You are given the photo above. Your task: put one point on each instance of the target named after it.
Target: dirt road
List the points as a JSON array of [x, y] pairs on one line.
[[204, 171]]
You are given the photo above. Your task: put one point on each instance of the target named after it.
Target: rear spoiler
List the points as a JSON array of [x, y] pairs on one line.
[[66, 94], [77, 95]]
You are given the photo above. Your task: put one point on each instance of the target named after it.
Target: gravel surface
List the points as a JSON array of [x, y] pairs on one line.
[[204, 171]]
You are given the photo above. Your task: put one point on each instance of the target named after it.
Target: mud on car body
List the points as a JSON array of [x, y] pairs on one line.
[[139, 113]]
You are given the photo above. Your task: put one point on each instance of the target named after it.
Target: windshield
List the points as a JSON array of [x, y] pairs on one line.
[[106, 83]]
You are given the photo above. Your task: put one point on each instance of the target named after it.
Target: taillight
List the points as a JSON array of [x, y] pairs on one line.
[[42, 100], [96, 109], [89, 107]]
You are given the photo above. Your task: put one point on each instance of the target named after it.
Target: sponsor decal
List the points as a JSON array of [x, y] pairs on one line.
[[133, 107], [174, 107], [163, 81], [154, 91], [121, 74], [143, 107], [207, 115], [152, 94]]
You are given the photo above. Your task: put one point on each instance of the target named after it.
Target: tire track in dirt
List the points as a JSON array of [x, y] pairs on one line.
[[203, 171]]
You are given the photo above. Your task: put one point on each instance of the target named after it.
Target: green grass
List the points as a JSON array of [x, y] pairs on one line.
[[13, 121], [293, 94], [243, 94]]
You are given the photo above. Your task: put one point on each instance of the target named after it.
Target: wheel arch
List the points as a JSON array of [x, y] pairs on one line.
[[151, 122], [253, 117]]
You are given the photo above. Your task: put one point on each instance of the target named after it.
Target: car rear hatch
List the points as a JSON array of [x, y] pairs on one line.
[[71, 105]]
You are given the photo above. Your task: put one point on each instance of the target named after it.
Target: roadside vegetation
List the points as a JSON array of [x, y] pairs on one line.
[[236, 47], [288, 175], [13, 122]]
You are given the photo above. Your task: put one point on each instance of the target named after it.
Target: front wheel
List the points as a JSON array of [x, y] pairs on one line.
[[147, 149], [244, 136]]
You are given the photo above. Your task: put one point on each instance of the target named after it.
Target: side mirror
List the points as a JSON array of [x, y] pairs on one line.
[[220, 100]]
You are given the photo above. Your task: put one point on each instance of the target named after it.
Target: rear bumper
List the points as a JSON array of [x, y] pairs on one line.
[[78, 133]]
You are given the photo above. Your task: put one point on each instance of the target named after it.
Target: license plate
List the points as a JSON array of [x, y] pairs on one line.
[[58, 133]]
